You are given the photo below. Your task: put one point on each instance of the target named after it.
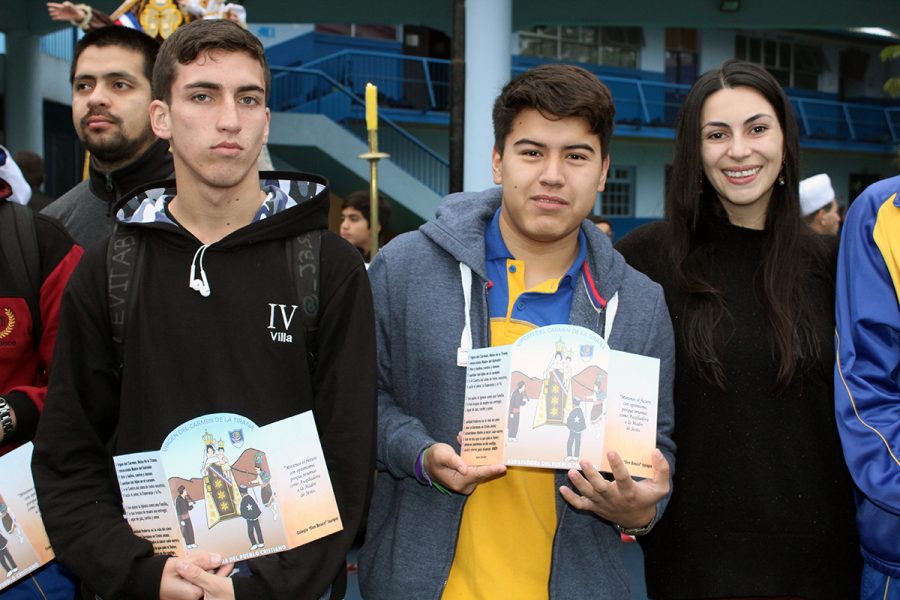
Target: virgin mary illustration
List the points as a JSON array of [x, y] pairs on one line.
[[556, 390], [220, 490]]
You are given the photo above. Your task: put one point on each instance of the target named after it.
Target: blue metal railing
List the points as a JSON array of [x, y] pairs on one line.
[[334, 85], [847, 121], [405, 82], [893, 119], [304, 90], [422, 84], [646, 104], [60, 44]]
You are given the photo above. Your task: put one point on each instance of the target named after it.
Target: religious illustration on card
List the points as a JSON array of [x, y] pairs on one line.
[[222, 484], [557, 396]]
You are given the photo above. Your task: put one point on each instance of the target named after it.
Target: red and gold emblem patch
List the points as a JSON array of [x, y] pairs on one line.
[[7, 322]]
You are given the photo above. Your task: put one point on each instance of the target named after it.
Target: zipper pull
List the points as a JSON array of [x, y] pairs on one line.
[[109, 183]]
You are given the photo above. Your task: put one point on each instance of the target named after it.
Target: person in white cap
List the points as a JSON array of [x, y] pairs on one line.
[[818, 206]]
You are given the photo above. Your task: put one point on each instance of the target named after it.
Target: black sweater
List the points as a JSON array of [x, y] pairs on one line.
[[762, 502]]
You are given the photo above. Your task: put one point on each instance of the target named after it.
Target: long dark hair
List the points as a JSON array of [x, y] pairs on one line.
[[692, 204]]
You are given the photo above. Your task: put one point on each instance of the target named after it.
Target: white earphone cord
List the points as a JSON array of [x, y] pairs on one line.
[[200, 284]]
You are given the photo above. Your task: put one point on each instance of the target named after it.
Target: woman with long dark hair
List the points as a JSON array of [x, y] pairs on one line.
[[762, 503]]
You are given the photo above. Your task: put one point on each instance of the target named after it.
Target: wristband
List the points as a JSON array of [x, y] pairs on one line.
[[422, 474], [6, 417], [637, 530]]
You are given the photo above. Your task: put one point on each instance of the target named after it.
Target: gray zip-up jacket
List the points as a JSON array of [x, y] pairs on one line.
[[416, 284]]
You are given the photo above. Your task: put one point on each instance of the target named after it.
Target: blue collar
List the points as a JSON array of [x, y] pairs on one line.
[[495, 248]]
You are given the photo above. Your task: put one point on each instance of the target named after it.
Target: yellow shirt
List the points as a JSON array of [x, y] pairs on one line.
[[506, 535]]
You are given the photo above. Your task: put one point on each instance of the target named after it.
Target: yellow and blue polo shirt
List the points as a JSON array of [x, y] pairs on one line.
[[506, 534]]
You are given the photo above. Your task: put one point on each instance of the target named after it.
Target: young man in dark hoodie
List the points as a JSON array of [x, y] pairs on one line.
[[110, 78], [216, 286]]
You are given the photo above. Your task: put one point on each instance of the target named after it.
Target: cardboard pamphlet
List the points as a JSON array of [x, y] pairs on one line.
[[222, 484], [24, 545], [558, 395]]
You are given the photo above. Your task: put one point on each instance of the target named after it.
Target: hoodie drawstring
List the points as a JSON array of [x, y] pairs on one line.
[[465, 340], [199, 284]]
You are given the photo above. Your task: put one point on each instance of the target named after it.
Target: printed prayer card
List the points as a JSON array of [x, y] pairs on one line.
[[556, 396], [24, 542], [222, 484]]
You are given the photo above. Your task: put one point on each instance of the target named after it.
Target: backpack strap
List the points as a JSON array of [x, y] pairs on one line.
[[124, 251], [18, 241], [304, 253]]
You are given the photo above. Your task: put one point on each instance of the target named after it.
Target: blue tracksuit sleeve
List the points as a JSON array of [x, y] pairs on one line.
[[867, 391]]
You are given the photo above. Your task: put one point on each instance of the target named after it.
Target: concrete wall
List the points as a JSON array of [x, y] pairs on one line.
[[653, 54], [649, 158], [54, 79], [716, 46], [275, 33]]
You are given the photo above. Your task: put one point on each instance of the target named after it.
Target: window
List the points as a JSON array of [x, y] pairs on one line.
[[681, 56], [622, 37], [617, 200], [792, 64], [852, 66], [680, 39], [626, 58], [808, 63], [613, 46]]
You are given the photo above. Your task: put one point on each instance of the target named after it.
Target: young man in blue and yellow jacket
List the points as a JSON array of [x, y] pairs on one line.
[[867, 384]]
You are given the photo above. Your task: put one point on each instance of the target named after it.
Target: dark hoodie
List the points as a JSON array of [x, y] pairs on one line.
[[86, 210], [186, 355]]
